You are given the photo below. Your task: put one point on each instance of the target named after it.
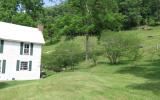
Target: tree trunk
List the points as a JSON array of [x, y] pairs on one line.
[[87, 47]]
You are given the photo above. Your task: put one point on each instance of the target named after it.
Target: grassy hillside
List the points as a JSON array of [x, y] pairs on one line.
[[100, 82]]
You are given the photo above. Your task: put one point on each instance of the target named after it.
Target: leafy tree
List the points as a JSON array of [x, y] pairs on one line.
[[7, 9], [119, 45], [34, 8], [53, 20], [15, 10], [132, 10], [140, 12], [88, 17], [152, 12], [23, 19]]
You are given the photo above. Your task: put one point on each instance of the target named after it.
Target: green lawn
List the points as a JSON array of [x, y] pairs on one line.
[[101, 82]]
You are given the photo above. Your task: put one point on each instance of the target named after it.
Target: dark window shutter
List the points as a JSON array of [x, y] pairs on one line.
[[17, 67], [21, 48], [31, 50], [1, 46], [3, 66], [30, 65]]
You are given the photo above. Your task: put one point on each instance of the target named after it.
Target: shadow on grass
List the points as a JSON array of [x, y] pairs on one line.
[[150, 70], [137, 71], [122, 62], [3, 85], [149, 86], [6, 84]]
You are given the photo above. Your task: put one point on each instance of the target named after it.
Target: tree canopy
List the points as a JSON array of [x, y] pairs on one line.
[[24, 12], [82, 16]]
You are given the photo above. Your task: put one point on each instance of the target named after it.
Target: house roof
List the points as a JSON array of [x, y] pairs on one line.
[[20, 33]]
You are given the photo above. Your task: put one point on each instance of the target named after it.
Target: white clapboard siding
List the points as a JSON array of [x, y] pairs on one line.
[[12, 53], [13, 35]]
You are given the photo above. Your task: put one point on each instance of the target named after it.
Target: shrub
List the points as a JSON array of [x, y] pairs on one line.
[[66, 56], [151, 21], [118, 45], [95, 52]]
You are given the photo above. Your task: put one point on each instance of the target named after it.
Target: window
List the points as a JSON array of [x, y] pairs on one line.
[[0, 66], [1, 46], [0, 43], [26, 49], [24, 65]]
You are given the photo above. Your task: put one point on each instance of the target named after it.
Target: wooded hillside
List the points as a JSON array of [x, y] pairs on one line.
[[77, 17]]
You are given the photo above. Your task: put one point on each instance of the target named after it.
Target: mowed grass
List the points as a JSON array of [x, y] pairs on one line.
[[100, 82]]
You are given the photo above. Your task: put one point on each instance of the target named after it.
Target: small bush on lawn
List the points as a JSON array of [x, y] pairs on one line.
[[66, 56], [118, 45], [95, 52]]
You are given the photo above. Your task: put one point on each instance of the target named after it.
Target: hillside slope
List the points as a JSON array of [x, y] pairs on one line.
[[100, 82]]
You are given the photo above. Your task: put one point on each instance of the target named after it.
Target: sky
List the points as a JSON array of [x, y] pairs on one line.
[[48, 3]]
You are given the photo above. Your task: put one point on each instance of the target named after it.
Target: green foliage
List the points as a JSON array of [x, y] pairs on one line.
[[23, 19], [114, 21], [34, 8], [96, 50], [81, 17], [132, 10], [23, 12], [87, 17], [66, 55], [7, 9], [118, 45], [139, 12], [151, 21]]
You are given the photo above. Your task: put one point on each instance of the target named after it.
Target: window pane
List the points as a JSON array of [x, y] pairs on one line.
[[26, 49], [26, 46], [24, 66]]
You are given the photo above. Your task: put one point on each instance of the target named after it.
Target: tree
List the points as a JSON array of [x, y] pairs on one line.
[[23, 19], [7, 9], [139, 12], [34, 8], [52, 22], [132, 10], [119, 45], [24, 12], [88, 18]]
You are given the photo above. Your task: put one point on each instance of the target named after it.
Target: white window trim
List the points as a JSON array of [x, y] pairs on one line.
[[27, 66], [28, 48]]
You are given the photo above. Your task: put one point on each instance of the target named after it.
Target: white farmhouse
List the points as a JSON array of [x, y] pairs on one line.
[[20, 52]]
